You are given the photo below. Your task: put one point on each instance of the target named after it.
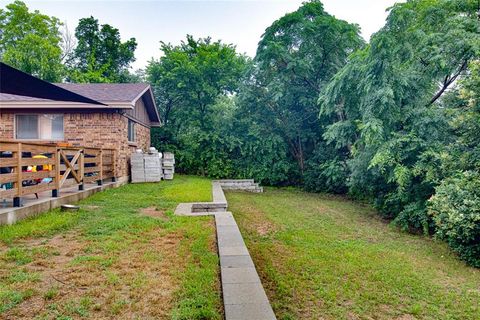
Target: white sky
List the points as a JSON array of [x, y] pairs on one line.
[[241, 22]]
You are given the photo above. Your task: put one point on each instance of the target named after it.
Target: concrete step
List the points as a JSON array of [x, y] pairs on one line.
[[235, 181], [241, 187], [209, 206], [244, 188], [248, 185]]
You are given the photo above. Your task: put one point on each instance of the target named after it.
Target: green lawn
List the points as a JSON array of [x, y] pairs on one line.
[[324, 257], [122, 256]]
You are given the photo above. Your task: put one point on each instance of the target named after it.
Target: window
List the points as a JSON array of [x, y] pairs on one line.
[[39, 126], [131, 131]]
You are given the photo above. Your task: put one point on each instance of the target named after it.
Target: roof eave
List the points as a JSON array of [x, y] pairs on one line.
[[157, 115], [60, 105], [156, 124]]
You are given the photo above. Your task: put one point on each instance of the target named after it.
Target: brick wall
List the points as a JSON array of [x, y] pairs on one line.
[[142, 136], [6, 125], [106, 130], [99, 130]]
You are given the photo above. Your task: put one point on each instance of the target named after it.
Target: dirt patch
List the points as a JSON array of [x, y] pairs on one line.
[[405, 317], [265, 228], [154, 213], [258, 222], [78, 278]]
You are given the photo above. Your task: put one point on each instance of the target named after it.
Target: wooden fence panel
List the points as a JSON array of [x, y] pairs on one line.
[[60, 167]]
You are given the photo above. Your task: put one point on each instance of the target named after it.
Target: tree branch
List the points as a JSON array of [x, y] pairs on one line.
[[448, 81]]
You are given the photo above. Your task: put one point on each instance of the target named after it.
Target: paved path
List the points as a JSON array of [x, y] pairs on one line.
[[243, 295]]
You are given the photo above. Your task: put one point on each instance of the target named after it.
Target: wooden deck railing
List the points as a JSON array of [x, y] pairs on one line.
[[29, 168]]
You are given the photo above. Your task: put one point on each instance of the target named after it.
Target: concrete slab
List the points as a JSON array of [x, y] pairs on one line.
[[230, 240], [233, 251], [45, 202], [217, 193], [183, 209], [251, 311], [236, 262], [228, 230], [224, 220], [209, 206], [239, 275], [243, 293]]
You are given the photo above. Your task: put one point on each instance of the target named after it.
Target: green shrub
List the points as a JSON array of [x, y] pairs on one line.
[[414, 218], [455, 208], [326, 176]]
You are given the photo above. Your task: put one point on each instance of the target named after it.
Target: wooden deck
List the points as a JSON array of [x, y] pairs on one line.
[[29, 169]]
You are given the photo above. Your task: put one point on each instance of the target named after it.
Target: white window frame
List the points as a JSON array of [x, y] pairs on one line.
[[15, 125]]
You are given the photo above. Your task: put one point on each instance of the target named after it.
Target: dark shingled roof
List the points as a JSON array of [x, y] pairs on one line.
[[19, 89], [106, 92], [16, 85], [16, 97]]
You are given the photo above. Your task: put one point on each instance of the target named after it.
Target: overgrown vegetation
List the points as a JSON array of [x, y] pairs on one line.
[[123, 255], [325, 257], [387, 122], [394, 121]]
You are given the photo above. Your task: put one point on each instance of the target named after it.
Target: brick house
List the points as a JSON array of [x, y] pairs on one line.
[[113, 115]]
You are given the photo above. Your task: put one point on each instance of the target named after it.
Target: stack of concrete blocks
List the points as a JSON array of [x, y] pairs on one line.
[[137, 167], [153, 167], [146, 167], [168, 164]]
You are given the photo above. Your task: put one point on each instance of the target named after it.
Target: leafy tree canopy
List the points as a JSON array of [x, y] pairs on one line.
[[296, 57], [189, 77], [100, 55], [188, 80], [31, 41], [389, 107]]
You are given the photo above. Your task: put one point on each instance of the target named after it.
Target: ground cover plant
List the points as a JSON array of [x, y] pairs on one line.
[[325, 257], [123, 256]]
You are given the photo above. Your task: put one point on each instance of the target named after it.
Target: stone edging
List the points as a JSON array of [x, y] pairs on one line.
[[243, 294]]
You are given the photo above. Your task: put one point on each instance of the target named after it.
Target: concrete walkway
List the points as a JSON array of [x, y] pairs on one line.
[[32, 206], [243, 295]]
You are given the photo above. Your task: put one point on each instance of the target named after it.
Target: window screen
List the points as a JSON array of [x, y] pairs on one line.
[[131, 131], [27, 127], [44, 127]]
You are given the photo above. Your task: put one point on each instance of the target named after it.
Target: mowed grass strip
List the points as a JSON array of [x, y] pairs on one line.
[[124, 255], [324, 257]]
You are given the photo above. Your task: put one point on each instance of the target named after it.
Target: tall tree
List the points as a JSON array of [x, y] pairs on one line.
[[189, 77], [187, 80], [296, 57], [100, 55], [388, 108], [31, 41]]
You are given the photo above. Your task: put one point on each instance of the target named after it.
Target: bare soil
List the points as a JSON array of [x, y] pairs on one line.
[[154, 213], [137, 282]]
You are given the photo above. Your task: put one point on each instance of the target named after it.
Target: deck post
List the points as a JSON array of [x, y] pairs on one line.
[[100, 173], [55, 191], [16, 200], [81, 170], [114, 165]]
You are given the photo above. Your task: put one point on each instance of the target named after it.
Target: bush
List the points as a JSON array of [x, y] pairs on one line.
[[414, 218], [326, 171], [456, 212]]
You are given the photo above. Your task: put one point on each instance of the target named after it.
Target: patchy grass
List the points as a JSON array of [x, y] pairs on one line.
[[324, 257], [123, 255]]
